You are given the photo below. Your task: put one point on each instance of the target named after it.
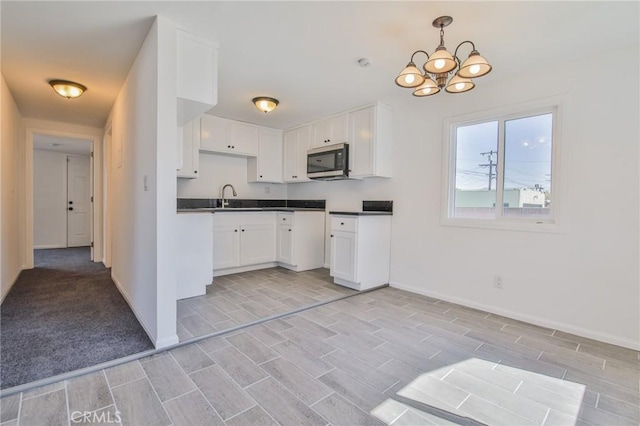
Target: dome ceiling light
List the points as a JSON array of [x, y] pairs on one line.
[[440, 64], [265, 104], [67, 89]]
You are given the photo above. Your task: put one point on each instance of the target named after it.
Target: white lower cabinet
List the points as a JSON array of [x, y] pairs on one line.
[[242, 240], [360, 250], [300, 242]]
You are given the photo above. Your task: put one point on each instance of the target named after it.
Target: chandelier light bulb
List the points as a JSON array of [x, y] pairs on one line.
[[474, 69], [409, 78], [439, 64]]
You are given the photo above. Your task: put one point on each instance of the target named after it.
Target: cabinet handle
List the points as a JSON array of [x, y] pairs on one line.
[[341, 223], [243, 230], [195, 171], [233, 147], [228, 146], [235, 230], [331, 235], [284, 218], [260, 175], [289, 229]]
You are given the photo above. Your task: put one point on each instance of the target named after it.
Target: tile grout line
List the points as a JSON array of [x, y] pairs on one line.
[[19, 409], [146, 376], [546, 416], [111, 393], [66, 397]]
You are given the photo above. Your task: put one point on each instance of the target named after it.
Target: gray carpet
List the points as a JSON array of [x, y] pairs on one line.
[[63, 315]]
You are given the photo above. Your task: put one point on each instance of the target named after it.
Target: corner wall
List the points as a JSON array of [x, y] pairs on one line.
[[143, 185], [11, 188], [584, 280]]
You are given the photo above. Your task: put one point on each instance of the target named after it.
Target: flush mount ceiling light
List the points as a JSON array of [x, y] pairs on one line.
[[440, 64], [67, 89], [265, 104]]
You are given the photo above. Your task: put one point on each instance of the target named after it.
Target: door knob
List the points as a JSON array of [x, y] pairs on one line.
[[70, 208], [70, 202]]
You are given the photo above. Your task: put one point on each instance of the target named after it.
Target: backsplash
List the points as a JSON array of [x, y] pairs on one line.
[[199, 203]]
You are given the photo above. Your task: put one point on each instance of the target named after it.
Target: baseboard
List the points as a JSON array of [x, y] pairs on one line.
[[229, 271], [15, 278], [567, 328], [48, 246], [326, 265], [133, 309]]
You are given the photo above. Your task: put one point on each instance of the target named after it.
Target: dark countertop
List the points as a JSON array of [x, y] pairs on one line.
[[248, 209], [363, 213]]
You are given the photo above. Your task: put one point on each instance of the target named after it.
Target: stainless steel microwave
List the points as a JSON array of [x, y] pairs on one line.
[[328, 162]]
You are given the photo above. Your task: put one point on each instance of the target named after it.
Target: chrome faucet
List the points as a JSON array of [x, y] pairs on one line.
[[225, 203]]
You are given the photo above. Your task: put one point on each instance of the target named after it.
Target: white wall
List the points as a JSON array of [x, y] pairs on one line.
[[11, 184], [50, 199], [144, 125], [218, 170], [590, 284]]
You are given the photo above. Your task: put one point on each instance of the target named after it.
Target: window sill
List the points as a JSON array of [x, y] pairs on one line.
[[547, 226]]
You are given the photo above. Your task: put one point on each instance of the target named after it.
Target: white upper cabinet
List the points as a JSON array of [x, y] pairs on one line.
[[296, 145], [267, 166], [329, 131], [197, 76], [228, 137], [370, 147], [189, 149]]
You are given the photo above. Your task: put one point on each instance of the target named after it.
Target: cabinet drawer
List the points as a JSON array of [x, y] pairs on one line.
[[347, 224], [285, 218]]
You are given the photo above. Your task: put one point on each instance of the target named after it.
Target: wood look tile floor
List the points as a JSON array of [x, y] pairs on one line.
[[240, 299], [384, 357]]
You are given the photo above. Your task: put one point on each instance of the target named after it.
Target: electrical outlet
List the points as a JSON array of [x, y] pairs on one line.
[[497, 281]]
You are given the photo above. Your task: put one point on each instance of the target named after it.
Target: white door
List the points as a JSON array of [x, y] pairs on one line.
[[285, 244], [226, 248], [78, 201], [343, 255], [257, 244]]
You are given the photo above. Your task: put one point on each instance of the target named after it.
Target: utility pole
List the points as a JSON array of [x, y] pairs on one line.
[[490, 165]]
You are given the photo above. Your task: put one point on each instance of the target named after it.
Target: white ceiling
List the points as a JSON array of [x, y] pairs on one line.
[[302, 53], [62, 144]]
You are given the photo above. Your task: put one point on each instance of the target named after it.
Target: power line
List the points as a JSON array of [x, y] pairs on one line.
[[491, 165]]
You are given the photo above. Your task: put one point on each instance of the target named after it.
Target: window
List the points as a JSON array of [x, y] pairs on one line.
[[506, 160]]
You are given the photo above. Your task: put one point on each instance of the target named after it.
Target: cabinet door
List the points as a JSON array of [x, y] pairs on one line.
[[285, 244], [343, 255], [243, 138], [362, 142], [257, 244], [296, 145], [190, 147], [319, 134], [269, 156], [337, 129], [226, 247], [214, 134]]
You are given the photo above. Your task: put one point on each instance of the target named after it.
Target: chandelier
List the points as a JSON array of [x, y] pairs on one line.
[[440, 64]]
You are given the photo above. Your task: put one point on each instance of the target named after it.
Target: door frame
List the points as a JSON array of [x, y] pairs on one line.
[[96, 190]]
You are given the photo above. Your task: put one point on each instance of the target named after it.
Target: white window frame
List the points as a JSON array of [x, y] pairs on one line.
[[552, 224]]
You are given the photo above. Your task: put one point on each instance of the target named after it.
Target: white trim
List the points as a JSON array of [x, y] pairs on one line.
[[47, 246], [96, 148], [560, 326], [2, 297], [556, 105], [167, 341], [228, 271]]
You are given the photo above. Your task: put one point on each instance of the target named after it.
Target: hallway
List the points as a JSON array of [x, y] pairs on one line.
[[63, 315]]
